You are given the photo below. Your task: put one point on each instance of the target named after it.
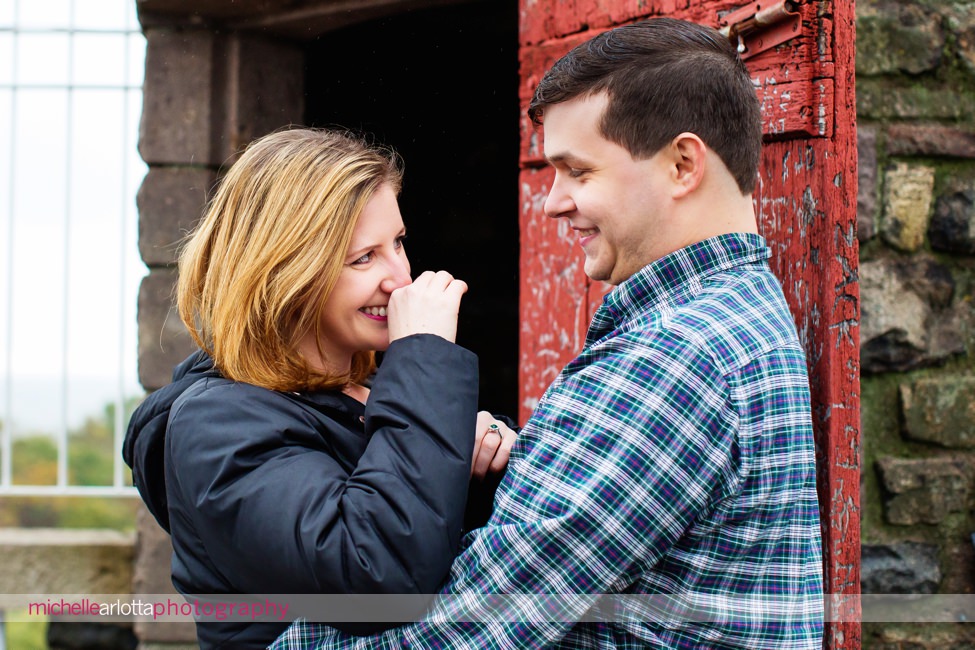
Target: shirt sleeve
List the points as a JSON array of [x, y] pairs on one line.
[[623, 452]]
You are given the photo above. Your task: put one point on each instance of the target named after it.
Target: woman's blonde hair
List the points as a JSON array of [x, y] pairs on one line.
[[255, 273]]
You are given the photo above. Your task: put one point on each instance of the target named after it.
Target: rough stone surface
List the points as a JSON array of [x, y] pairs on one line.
[[952, 226], [179, 99], [866, 183], [904, 568], [64, 561], [152, 576], [171, 200], [163, 340], [266, 88], [940, 410], [930, 140], [929, 279], [883, 99], [961, 22], [893, 37], [907, 205], [947, 636], [923, 490], [207, 95], [893, 331], [948, 335]]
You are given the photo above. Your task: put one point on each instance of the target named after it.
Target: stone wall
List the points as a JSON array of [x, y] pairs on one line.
[[916, 215]]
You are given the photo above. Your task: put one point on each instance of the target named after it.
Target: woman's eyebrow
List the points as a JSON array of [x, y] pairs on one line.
[[355, 253]]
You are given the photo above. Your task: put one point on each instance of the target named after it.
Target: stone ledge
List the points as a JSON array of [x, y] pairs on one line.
[[65, 561]]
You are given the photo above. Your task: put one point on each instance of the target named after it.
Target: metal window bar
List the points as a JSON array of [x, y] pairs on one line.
[[6, 435], [62, 488]]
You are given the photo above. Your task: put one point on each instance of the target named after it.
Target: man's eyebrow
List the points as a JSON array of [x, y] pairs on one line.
[[565, 158]]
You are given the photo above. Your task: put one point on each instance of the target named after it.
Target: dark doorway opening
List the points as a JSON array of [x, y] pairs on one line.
[[441, 87]]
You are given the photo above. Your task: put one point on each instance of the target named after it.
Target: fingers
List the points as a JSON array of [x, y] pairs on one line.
[[484, 419], [456, 289], [440, 280], [484, 454], [503, 452], [427, 306], [492, 446]]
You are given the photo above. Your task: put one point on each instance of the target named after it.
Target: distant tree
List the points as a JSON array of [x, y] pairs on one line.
[[91, 458]]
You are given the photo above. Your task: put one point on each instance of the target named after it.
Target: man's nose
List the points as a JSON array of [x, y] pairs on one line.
[[558, 203]]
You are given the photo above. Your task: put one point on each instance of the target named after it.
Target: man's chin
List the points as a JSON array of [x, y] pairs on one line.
[[594, 272]]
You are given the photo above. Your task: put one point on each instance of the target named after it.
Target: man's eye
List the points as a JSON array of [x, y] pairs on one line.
[[576, 173]]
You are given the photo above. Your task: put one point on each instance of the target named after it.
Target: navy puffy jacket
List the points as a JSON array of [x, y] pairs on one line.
[[267, 492]]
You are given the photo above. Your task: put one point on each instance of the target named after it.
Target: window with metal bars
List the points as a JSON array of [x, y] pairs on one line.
[[70, 99]]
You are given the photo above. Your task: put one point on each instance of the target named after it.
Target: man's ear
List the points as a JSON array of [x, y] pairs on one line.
[[689, 163]]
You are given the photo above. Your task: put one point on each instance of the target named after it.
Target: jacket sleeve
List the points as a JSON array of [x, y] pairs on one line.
[[276, 513]]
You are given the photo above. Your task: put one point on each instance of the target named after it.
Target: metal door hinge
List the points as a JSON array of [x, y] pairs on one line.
[[762, 25]]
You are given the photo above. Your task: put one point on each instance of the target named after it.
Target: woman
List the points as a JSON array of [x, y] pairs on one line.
[[285, 472]]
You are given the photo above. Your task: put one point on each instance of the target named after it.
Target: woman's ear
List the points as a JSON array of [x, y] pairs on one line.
[[689, 163]]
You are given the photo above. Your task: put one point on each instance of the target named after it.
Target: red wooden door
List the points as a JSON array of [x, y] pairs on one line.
[[806, 207]]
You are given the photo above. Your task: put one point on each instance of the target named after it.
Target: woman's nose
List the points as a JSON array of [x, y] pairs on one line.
[[398, 274]]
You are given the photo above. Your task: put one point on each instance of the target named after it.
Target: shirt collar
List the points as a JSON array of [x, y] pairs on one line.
[[673, 275]]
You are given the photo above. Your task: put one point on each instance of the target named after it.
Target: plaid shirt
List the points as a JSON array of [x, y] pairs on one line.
[[674, 456]]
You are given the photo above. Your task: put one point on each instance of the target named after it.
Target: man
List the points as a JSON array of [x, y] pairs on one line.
[[670, 467]]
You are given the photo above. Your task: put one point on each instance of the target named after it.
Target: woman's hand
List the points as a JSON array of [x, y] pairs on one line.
[[428, 306], [492, 446]]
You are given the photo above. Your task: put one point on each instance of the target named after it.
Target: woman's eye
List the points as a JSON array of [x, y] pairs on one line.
[[576, 173], [365, 259], [400, 240]]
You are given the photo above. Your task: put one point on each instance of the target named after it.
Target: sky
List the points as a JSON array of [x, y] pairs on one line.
[[70, 100]]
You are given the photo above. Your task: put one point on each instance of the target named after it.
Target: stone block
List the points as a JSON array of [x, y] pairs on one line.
[[893, 319], [929, 279], [163, 340], [923, 491], [893, 38], [923, 99], [180, 108], [152, 575], [930, 140], [961, 25], [207, 95], [952, 227], [266, 89], [904, 568], [908, 194], [171, 201], [866, 182], [65, 561], [940, 410]]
